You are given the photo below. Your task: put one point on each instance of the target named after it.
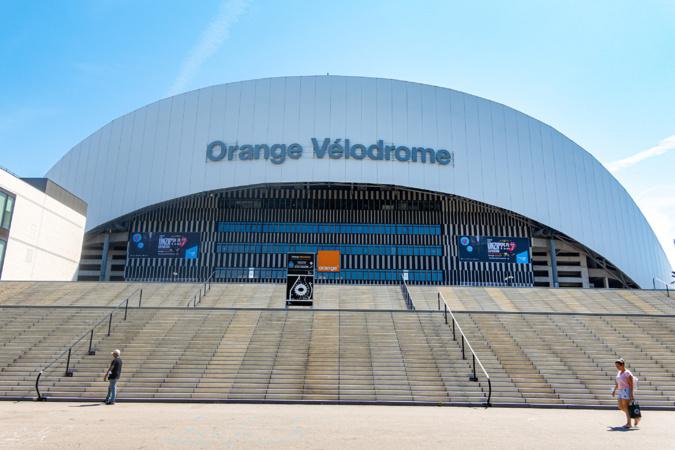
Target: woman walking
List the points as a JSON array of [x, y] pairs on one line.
[[623, 390]]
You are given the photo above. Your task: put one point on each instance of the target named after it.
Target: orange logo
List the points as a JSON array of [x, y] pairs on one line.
[[328, 261]]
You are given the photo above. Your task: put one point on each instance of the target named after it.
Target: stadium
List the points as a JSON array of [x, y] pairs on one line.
[[401, 178], [466, 254]]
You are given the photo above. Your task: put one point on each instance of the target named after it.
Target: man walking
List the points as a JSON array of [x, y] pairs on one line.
[[112, 375]]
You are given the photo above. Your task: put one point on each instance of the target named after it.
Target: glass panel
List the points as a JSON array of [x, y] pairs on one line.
[[3, 244], [3, 198], [8, 212]]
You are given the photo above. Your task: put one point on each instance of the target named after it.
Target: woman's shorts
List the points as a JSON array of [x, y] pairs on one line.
[[623, 394]]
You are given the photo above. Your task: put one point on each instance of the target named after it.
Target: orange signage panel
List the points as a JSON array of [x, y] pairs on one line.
[[328, 261]]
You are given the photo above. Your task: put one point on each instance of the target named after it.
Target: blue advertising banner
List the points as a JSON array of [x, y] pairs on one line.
[[164, 245], [494, 249]]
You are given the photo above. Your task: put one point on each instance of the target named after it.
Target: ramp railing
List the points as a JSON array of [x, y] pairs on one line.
[[667, 285], [406, 295], [464, 345], [91, 351], [204, 288]]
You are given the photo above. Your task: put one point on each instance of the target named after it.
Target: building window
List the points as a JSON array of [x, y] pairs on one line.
[[6, 209], [327, 228], [282, 247], [3, 245]]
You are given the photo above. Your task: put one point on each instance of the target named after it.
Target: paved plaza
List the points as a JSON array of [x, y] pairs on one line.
[[90, 425]]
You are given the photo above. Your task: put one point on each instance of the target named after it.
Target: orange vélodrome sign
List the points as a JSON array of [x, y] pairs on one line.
[[328, 261]]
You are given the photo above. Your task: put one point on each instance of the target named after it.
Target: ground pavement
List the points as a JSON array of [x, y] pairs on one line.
[[141, 425]]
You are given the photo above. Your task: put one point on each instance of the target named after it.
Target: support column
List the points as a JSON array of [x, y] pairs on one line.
[[104, 257], [554, 263]]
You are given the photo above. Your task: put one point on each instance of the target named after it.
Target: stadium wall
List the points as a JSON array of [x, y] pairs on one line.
[[467, 147]]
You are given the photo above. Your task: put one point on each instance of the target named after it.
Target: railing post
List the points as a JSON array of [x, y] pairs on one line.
[[37, 387], [654, 283], [473, 377], [110, 323], [91, 342], [126, 307], [489, 392], [140, 298], [69, 373], [463, 353], [438, 298], [445, 314]]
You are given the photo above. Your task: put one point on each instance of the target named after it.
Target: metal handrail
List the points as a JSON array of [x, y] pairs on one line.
[[465, 343], [207, 283], [654, 280], [203, 290], [90, 332], [406, 295]]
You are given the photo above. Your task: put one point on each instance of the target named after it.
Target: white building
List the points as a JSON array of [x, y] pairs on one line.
[[41, 230]]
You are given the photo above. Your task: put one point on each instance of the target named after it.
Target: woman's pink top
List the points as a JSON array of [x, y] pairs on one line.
[[622, 379]]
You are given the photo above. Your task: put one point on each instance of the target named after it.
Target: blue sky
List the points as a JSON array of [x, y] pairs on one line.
[[601, 72]]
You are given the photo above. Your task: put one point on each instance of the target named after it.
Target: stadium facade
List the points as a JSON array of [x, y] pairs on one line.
[[404, 179]]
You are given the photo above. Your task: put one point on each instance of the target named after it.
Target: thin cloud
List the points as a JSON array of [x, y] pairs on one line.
[[216, 32], [662, 147], [658, 205]]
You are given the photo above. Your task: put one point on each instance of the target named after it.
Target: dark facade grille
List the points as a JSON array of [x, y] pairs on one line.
[[382, 232]]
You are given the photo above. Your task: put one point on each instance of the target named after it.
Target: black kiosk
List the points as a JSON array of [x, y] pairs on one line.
[[300, 279]]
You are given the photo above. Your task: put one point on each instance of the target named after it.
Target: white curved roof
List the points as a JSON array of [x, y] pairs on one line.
[[501, 156]]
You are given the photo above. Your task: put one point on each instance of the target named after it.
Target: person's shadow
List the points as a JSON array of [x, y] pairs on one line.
[[621, 429], [85, 405]]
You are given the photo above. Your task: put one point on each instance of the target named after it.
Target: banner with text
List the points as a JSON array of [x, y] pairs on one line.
[[164, 245], [494, 249]]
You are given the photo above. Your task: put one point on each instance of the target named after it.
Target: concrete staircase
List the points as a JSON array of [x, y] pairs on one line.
[[295, 355], [608, 301], [221, 295], [568, 359], [29, 338], [557, 346], [84, 293], [326, 296], [541, 347]]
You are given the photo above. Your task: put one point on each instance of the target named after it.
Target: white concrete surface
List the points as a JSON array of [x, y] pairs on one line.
[[45, 237], [30, 425]]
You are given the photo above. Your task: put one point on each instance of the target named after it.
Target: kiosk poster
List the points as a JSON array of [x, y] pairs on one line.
[[300, 278], [494, 249], [164, 245]]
